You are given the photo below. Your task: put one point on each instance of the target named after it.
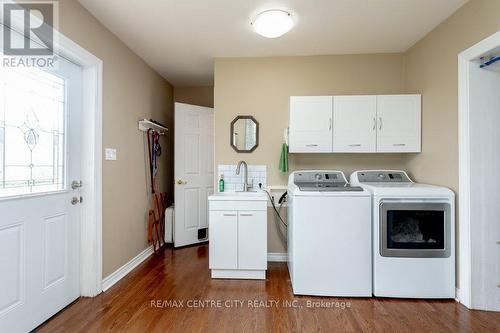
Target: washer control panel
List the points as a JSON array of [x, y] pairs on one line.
[[323, 177], [325, 181]]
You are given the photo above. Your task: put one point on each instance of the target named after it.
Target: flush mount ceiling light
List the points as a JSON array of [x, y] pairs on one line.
[[272, 23]]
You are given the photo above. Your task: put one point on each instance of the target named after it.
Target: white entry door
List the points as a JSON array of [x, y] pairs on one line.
[[39, 210], [194, 172]]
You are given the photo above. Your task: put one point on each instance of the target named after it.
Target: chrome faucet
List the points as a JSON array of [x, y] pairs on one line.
[[246, 186]]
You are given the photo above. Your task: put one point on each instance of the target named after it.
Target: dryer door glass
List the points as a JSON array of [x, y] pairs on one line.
[[414, 229]]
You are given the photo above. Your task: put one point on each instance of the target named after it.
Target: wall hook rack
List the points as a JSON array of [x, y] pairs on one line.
[[145, 125]]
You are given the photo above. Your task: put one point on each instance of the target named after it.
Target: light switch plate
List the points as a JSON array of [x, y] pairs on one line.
[[110, 154]]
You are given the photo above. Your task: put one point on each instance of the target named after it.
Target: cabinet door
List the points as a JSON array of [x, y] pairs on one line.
[[223, 245], [354, 124], [311, 124], [399, 123], [252, 240]]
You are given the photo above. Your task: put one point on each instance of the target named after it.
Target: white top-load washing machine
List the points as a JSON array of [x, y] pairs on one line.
[[413, 235], [329, 235]]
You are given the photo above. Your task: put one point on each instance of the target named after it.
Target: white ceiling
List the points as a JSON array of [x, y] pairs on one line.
[[180, 38]]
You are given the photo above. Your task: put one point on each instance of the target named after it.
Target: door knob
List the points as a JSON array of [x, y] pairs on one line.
[[181, 182]]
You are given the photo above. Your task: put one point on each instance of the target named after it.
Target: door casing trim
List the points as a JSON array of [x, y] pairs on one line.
[[91, 212], [465, 59]]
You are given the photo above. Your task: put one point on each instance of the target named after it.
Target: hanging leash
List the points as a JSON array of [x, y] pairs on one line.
[[150, 134], [154, 154]]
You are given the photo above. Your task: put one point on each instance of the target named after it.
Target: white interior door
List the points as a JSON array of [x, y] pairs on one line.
[[355, 124], [39, 223], [194, 172]]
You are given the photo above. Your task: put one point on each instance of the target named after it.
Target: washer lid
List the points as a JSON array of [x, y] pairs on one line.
[[322, 183], [329, 187]]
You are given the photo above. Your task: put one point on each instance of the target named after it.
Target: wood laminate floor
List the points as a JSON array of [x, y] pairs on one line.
[[173, 292]]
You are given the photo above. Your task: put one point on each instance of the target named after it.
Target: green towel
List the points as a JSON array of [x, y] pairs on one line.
[[283, 167]]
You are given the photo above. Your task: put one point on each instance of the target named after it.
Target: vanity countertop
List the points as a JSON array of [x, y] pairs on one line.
[[238, 196]]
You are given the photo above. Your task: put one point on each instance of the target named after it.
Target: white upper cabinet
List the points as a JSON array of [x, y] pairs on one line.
[[355, 124], [311, 124], [399, 123]]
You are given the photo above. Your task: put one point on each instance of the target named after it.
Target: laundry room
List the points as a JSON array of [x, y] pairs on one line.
[[250, 166]]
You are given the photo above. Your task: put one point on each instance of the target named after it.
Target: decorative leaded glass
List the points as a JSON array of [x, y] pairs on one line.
[[32, 126]]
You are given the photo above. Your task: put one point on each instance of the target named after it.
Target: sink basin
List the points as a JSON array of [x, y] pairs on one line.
[[238, 196]]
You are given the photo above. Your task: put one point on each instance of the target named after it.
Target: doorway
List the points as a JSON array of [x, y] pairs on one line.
[[194, 172], [479, 162]]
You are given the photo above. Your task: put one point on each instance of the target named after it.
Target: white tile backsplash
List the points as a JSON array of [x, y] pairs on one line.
[[233, 182]]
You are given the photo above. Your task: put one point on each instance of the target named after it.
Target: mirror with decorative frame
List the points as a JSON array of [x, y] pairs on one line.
[[244, 134]]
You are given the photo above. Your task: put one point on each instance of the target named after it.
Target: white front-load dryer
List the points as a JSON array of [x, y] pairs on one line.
[[413, 235], [329, 235]]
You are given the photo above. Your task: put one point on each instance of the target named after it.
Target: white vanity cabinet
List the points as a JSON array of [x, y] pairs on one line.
[[356, 124], [238, 235]]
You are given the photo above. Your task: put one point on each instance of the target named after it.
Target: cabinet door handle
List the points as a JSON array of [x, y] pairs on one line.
[[312, 145], [246, 214], [374, 123], [399, 144], [380, 123], [355, 145], [225, 214], [330, 128]]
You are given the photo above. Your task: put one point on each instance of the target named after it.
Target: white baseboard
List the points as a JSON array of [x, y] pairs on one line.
[[457, 295], [121, 272], [277, 257]]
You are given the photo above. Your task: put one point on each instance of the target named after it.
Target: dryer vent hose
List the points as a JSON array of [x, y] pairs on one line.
[[281, 225]]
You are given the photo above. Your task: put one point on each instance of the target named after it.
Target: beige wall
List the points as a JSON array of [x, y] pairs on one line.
[[432, 70], [262, 86], [201, 95], [131, 91]]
